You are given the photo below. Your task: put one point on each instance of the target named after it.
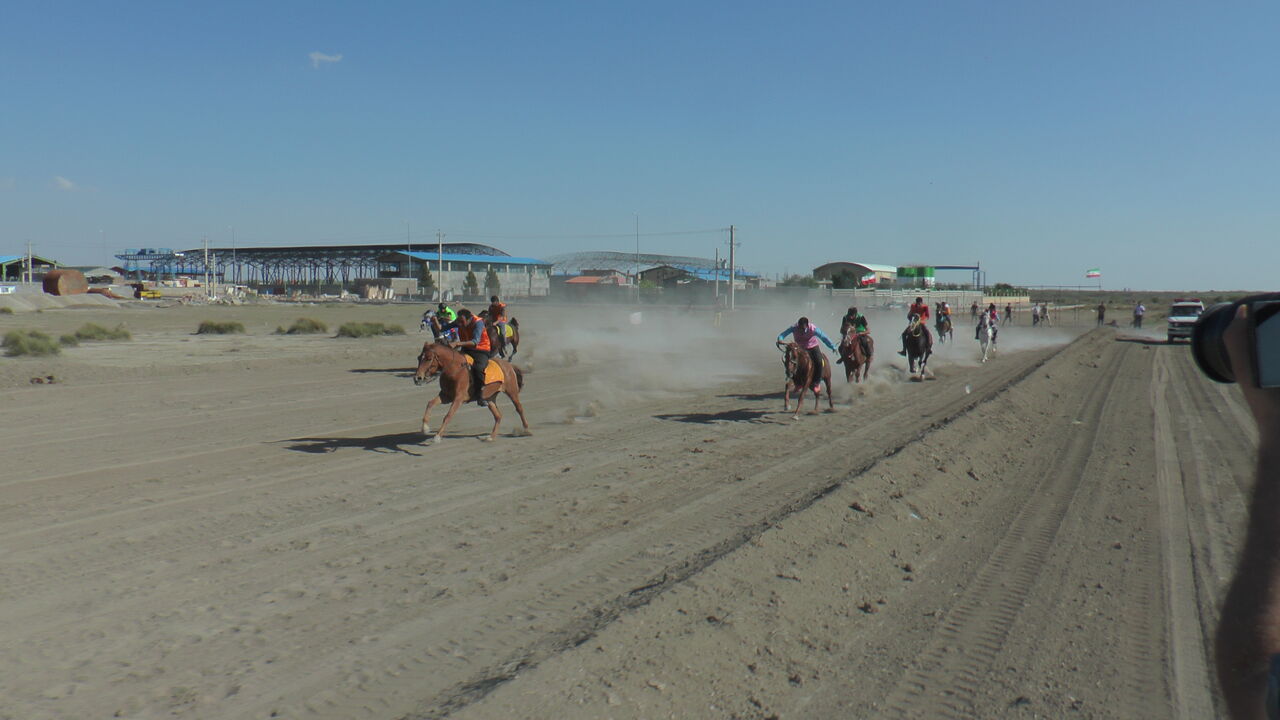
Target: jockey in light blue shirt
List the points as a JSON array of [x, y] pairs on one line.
[[807, 336]]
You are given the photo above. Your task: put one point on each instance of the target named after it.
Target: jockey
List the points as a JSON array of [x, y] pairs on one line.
[[858, 323], [444, 317], [919, 311], [498, 318], [807, 336], [474, 342], [989, 318]]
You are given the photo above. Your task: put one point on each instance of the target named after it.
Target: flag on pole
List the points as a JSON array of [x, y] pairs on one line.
[[868, 279], [1094, 273]]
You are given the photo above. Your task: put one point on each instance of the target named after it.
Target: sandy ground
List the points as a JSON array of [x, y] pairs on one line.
[[250, 527]]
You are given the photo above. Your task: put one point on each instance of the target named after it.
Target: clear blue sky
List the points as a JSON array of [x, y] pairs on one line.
[[1041, 139]]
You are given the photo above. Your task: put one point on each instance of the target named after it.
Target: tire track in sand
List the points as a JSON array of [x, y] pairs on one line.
[[945, 679]]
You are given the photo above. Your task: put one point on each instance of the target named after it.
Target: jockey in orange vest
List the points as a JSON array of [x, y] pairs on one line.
[[474, 342], [919, 311]]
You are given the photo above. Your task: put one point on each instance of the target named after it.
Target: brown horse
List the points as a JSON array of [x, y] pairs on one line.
[[800, 376], [455, 386], [856, 359]]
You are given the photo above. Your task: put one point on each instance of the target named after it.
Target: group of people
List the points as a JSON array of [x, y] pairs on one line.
[[854, 327], [1039, 314], [468, 333]]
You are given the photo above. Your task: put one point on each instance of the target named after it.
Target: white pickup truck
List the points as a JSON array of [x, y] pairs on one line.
[[1182, 317]]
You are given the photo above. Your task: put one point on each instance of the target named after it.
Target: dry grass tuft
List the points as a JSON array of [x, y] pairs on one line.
[[29, 342], [90, 331], [366, 329], [304, 326], [212, 327]]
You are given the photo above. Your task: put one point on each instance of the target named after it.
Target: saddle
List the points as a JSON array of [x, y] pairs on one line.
[[492, 372]]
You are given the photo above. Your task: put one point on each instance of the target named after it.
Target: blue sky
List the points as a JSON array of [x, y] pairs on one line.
[[1039, 139]]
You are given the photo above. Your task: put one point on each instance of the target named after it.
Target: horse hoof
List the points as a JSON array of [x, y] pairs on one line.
[[487, 439]]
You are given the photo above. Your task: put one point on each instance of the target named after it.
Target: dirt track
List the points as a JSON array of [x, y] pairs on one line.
[[250, 527]]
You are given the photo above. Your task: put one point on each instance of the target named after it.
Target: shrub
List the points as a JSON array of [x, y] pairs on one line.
[[211, 327], [6, 310], [28, 342], [90, 331], [305, 326], [69, 341], [361, 330]]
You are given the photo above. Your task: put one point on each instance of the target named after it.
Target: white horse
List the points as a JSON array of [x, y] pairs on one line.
[[987, 337]]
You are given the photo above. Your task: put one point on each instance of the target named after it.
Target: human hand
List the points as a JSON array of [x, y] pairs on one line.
[[1264, 402]]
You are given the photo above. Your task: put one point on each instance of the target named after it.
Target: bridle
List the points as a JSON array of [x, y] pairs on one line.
[[432, 369]]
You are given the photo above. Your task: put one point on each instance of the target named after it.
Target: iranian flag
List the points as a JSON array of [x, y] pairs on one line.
[[868, 279], [1094, 273]]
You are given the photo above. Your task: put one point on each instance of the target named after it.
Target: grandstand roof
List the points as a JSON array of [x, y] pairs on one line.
[[633, 263], [471, 258]]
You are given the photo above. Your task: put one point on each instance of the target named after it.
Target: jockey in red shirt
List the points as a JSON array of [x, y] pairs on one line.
[[989, 318], [919, 310]]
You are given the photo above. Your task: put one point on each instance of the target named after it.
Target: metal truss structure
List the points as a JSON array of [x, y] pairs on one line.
[[625, 263], [294, 266]]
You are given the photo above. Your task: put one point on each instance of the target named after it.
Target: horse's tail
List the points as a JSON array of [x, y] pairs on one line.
[[515, 323], [519, 377]]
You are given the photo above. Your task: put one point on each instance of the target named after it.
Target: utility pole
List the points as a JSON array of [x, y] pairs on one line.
[[408, 244], [235, 269], [717, 271], [732, 244], [30, 277], [440, 263], [205, 241], [637, 282]]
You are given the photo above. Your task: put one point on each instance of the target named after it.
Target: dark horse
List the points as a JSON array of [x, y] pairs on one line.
[[508, 349], [919, 347], [455, 385], [512, 340], [855, 358], [801, 377]]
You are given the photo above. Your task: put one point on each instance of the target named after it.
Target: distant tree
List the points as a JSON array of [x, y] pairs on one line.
[[471, 285], [424, 278], [492, 286], [799, 281], [844, 280]]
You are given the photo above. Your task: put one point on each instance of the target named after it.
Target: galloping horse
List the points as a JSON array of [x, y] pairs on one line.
[[945, 331], [856, 360], [919, 347], [797, 364], [455, 386], [987, 336], [513, 339]]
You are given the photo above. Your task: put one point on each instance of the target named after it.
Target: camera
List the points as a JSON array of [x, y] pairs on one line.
[[1210, 351]]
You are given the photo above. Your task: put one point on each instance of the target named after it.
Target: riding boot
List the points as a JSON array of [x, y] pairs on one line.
[[903, 351], [478, 380]]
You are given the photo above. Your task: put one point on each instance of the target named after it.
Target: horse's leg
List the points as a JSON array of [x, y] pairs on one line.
[[457, 403], [515, 400], [831, 403], [426, 415], [497, 418]]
